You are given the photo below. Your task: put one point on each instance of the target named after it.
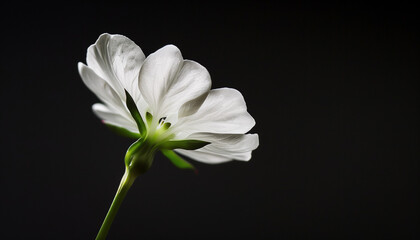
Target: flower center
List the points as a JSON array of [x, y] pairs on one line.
[[163, 124], [158, 129]]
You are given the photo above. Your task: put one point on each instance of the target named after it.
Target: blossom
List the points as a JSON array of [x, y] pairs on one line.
[[166, 102]]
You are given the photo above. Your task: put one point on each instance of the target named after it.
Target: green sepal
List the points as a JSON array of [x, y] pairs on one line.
[[139, 156], [183, 144], [132, 107], [149, 118], [122, 131], [178, 161], [166, 125]]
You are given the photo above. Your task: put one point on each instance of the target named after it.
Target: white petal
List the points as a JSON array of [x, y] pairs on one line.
[[204, 157], [223, 111], [117, 59], [223, 147], [228, 143], [192, 86], [110, 117], [157, 72], [101, 88], [172, 85]]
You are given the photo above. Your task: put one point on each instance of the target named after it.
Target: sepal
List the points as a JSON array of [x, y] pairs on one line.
[[178, 161], [132, 107], [122, 131], [183, 144], [140, 156]]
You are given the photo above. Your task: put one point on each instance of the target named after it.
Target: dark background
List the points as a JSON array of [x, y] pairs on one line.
[[333, 90]]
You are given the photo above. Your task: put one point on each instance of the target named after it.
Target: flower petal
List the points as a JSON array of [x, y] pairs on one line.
[[200, 156], [223, 111], [191, 89], [172, 85], [117, 60], [110, 117], [101, 88], [158, 71], [223, 147]]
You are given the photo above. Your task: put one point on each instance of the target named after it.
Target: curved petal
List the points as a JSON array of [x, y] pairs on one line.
[[199, 156], [223, 111], [100, 88], [110, 117], [117, 59], [223, 147], [192, 86], [171, 85], [157, 72], [228, 143]]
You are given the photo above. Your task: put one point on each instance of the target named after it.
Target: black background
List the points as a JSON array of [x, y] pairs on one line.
[[333, 90]]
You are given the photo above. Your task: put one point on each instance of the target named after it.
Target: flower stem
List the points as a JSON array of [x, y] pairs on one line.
[[125, 184]]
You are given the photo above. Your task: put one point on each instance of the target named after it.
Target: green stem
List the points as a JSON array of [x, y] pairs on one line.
[[126, 182]]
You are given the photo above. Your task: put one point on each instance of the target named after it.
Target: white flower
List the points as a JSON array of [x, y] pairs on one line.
[[172, 96]]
